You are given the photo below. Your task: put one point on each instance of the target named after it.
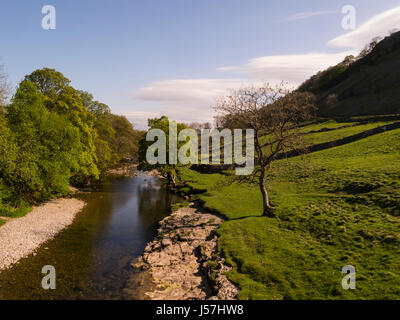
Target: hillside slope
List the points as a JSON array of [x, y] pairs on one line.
[[335, 207], [368, 86]]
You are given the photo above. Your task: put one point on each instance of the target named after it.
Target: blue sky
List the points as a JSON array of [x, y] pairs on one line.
[[175, 57]]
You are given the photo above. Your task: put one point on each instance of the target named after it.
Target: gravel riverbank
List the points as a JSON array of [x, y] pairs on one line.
[[20, 237]]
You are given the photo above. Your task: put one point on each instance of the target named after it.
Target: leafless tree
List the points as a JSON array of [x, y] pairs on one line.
[[273, 112], [198, 126], [4, 88], [369, 47]]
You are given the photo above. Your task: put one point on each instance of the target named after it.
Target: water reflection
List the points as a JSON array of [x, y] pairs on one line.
[[92, 257]]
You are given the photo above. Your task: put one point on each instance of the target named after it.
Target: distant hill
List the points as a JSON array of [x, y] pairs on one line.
[[368, 85]]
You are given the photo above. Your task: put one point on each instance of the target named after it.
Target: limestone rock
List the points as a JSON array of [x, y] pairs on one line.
[[179, 261]]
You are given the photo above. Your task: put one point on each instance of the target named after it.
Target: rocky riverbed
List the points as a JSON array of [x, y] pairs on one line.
[[183, 260], [126, 170]]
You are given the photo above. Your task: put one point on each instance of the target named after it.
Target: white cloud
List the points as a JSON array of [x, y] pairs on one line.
[[231, 68], [201, 90], [139, 118], [192, 99], [186, 100], [292, 68], [306, 15], [380, 25]]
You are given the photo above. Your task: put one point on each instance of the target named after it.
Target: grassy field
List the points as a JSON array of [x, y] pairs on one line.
[[336, 207], [321, 137], [328, 124], [338, 130]]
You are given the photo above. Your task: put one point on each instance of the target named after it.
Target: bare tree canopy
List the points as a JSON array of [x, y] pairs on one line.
[[273, 112], [4, 89], [198, 126]]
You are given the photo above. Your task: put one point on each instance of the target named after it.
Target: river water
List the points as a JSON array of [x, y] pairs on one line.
[[92, 257]]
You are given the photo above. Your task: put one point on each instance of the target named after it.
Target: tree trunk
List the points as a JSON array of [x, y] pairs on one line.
[[267, 208], [173, 180]]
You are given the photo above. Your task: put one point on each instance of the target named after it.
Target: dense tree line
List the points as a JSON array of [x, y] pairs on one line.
[[52, 135]]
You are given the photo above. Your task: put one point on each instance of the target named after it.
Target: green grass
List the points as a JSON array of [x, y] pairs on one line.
[[8, 210], [329, 124], [177, 206], [321, 137], [338, 132], [336, 207]]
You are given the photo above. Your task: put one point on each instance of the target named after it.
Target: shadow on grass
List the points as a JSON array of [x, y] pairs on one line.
[[200, 206], [246, 217]]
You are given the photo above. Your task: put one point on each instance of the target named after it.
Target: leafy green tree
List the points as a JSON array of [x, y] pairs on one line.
[[125, 141], [45, 144], [116, 138], [8, 148], [7, 151], [62, 98], [166, 170], [52, 134], [106, 157], [98, 109]]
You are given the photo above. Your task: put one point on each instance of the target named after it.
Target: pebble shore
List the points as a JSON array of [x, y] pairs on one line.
[[19, 237]]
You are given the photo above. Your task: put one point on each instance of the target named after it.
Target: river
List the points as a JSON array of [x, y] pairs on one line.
[[92, 256]]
